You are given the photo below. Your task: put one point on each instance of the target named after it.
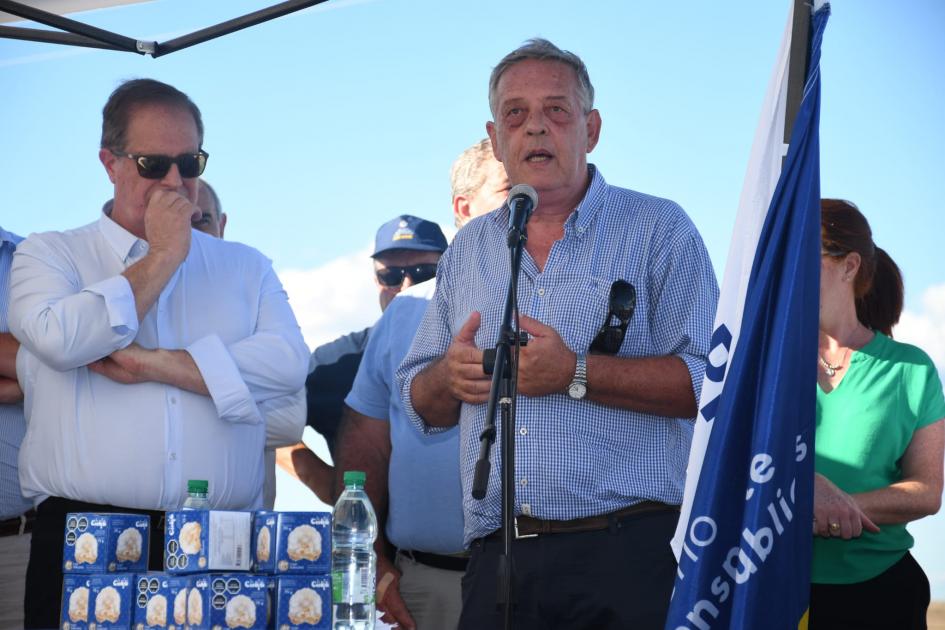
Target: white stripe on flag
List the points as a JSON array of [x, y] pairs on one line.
[[764, 168]]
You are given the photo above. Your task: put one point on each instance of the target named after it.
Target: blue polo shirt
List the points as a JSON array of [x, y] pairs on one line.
[[425, 511]]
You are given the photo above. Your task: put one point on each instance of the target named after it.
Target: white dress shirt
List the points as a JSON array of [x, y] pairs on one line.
[[90, 438]]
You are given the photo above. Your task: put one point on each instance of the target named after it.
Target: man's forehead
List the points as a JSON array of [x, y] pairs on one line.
[[155, 121]]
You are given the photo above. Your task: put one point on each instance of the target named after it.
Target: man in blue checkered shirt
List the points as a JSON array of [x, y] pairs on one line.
[[601, 439]]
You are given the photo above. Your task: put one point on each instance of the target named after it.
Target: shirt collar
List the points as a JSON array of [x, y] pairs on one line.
[[123, 242], [9, 237], [586, 210]]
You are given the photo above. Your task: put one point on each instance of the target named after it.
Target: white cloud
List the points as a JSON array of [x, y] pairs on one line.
[[333, 299], [926, 328]]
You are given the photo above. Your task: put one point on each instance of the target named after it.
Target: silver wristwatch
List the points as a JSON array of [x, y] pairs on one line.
[[578, 387]]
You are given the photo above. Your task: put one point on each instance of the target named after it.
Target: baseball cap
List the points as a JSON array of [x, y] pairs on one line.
[[409, 232]]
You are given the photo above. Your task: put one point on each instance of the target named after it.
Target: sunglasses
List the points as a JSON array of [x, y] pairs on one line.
[[190, 165], [394, 276], [623, 301]]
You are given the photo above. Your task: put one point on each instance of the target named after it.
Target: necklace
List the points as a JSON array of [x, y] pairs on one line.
[[831, 370]]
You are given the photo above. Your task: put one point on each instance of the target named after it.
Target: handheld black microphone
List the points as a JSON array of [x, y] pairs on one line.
[[522, 202]]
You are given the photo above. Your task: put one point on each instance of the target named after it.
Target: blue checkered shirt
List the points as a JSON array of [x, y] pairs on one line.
[[577, 458], [12, 421]]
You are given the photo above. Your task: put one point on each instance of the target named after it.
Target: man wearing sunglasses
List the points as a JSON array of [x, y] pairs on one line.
[[601, 439], [149, 351], [406, 250], [413, 481]]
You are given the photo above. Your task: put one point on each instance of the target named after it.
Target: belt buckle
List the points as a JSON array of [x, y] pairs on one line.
[[522, 536]]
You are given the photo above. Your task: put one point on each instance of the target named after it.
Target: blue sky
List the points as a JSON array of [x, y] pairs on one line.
[[324, 124]]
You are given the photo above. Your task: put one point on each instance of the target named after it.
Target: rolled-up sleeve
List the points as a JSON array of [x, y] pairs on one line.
[[270, 363], [684, 294], [430, 343], [63, 323], [285, 419]]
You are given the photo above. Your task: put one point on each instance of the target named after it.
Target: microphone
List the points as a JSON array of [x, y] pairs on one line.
[[522, 202]]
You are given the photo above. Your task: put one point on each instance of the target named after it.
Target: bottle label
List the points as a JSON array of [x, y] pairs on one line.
[[357, 590]]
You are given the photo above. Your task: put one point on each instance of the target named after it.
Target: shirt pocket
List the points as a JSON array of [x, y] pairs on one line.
[[578, 311]]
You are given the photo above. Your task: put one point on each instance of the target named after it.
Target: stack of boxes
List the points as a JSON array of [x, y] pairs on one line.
[[206, 583], [101, 555], [295, 549]]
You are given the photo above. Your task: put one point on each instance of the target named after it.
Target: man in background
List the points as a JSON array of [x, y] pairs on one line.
[[413, 480], [406, 250], [212, 219], [16, 514]]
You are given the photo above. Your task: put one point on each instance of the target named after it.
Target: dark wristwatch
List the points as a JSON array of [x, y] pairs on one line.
[[578, 387]]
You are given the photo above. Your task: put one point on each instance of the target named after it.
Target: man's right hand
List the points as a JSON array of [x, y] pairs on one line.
[[389, 600], [466, 380], [456, 377], [167, 223]]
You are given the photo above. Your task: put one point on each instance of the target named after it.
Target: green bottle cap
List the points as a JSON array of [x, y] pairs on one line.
[[355, 478], [197, 485]]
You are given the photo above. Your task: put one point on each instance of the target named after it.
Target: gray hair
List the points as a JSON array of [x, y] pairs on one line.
[[116, 115], [543, 50], [467, 174]]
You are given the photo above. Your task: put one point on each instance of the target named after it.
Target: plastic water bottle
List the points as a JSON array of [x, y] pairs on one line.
[[353, 563], [197, 495]]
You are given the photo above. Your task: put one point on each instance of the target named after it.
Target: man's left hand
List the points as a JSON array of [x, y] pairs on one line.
[[545, 365], [128, 365]]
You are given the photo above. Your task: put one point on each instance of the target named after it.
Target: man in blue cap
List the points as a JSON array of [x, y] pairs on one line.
[[406, 251]]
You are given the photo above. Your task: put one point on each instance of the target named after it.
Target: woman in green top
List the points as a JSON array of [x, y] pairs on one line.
[[879, 441]]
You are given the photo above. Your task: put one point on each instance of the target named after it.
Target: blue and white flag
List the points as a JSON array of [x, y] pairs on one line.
[[745, 534]]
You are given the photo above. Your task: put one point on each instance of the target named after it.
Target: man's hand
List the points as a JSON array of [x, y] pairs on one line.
[[128, 365], [463, 362], [836, 514], [388, 597], [545, 365], [10, 392], [167, 223], [303, 464], [134, 364]]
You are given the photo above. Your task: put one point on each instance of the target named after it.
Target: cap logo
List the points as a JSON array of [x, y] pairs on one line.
[[403, 233]]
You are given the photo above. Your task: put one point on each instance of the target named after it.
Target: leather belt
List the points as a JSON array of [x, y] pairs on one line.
[[437, 561], [528, 527], [18, 525]]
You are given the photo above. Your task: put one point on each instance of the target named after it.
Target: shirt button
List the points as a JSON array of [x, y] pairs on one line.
[[172, 457], [526, 509], [541, 291], [523, 431], [524, 482], [173, 400]]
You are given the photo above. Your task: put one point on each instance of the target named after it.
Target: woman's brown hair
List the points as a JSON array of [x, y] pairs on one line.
[[877, 287]]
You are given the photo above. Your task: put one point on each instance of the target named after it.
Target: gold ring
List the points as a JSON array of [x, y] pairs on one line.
[[835, 527]]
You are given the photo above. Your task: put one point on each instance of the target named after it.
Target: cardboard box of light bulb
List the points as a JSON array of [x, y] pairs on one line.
[[102, 601], [292, 542], [303, 602], [105, 543], [160, 601], [229, 600], [198, 541]]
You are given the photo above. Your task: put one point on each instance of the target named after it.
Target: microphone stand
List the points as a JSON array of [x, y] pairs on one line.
[[503, 394]]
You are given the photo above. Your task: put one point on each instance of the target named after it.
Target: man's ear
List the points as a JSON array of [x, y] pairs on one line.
[[461, 209], [593, 129], [109, 160], [222, 223], [490, 130]]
